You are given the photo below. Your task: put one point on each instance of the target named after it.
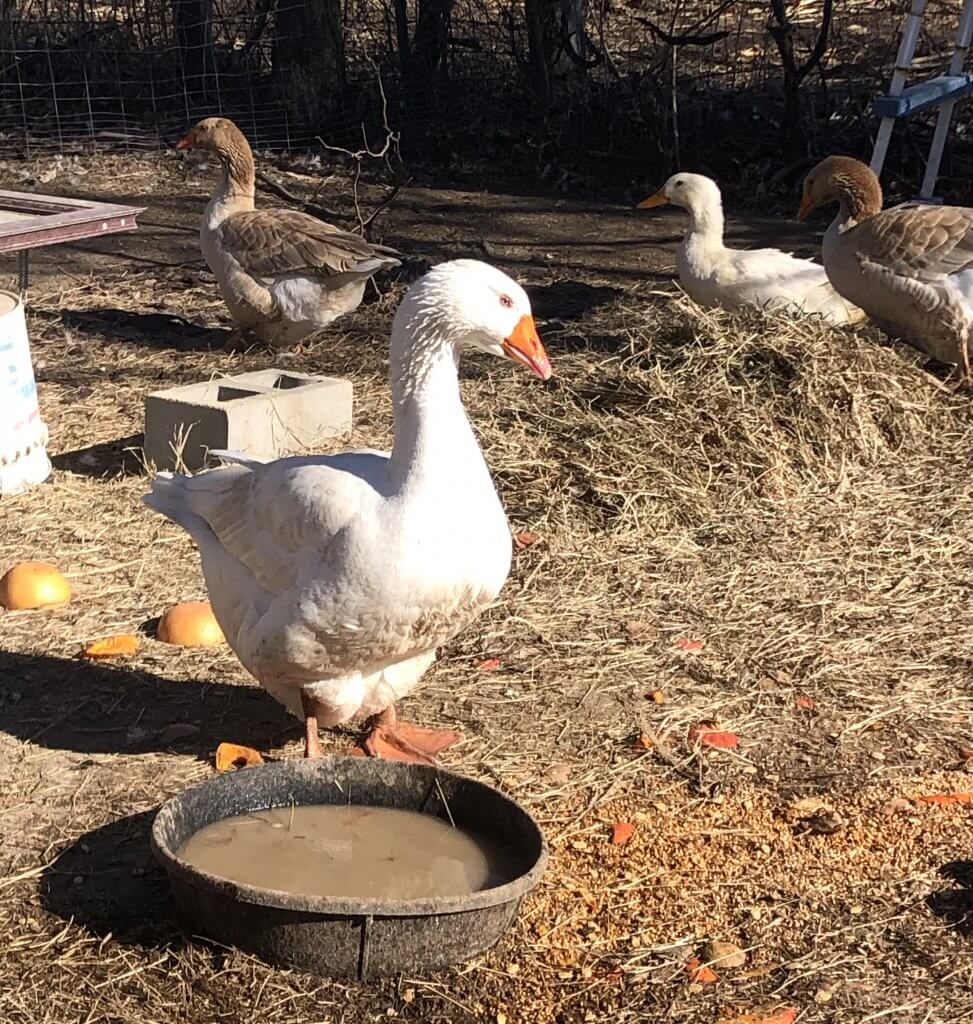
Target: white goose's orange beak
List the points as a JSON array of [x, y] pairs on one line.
[[659, 199], [807, 205], [186, 142], [524, 346]]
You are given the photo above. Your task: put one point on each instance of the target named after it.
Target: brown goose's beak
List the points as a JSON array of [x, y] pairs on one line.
[[805, 209], [658, 199], [524, 346], [186, 142]]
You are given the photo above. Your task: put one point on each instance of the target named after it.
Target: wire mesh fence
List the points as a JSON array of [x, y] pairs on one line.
[[656, 80]]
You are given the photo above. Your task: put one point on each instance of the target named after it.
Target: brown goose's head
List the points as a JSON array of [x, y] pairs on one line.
[[844, 180], [218, 135]]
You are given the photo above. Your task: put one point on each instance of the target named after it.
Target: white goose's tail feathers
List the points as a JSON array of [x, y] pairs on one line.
[[238, 458], [170, 496], [193, 501]]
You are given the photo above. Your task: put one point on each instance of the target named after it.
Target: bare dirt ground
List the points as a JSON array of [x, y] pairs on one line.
[[769, 524]]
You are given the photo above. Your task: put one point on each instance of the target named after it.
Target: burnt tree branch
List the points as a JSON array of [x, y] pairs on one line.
[[682, 38], [783, 33], [794, 74], [308, 206]]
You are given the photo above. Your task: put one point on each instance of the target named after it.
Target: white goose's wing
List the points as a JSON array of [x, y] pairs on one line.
[[266, 524], [279, 542], [370, 464], [778, 280]]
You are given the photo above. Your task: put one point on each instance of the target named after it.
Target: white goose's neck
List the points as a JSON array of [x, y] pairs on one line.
[[433, 441], [705, 229]]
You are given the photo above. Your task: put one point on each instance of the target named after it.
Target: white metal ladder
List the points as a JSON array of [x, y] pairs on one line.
[[943, 92]]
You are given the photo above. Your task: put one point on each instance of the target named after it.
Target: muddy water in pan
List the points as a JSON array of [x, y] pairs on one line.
[[348, 851]]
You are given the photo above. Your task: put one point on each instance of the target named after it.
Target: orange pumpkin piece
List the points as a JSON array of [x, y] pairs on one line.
[[700, 973], [190, 624], [707, 736], [33, 585], [121, 646], [786, 1015], [230, 756], [946, 798], [622, 831]]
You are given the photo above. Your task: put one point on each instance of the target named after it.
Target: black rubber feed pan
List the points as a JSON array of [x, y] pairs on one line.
[[353, 938]]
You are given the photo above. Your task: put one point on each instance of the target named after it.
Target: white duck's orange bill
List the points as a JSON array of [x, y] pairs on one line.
[[524, 346], [657, 200], [184, 143], [806, 207]]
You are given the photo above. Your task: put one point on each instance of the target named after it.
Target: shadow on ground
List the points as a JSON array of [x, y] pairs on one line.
[[955, 906], [76, 705], [155, 330], [112, 458], [108, 882], [569, 300]]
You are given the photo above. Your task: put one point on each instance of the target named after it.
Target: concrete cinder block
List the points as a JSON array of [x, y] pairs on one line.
[[267, 413]]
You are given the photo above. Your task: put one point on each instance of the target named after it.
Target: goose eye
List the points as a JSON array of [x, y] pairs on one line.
[[506, 302]]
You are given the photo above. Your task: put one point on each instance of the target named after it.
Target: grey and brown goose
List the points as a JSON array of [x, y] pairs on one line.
[[283, 274]]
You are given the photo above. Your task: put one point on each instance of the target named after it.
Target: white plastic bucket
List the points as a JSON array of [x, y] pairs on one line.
[[23, 436]]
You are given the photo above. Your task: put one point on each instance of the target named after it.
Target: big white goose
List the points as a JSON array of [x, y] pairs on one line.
[[283, 274], [909, 267], [335, 578], [714, 275]]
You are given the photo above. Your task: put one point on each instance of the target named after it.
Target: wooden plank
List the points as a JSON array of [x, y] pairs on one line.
[[54, 219]]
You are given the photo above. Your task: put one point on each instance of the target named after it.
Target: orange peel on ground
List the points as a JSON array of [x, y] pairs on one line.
[[230, 756], [111, 647]]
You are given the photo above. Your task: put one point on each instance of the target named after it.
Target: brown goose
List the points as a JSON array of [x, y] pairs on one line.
[[909, 267], [283, 274]]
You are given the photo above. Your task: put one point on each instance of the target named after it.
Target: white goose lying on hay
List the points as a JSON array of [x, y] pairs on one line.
[[283, 274], [335, 578], [713, 275], [910, 268]]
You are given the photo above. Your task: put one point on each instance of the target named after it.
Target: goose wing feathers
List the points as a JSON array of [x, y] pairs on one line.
[[270, 242], [235, 511], [926, 242]]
